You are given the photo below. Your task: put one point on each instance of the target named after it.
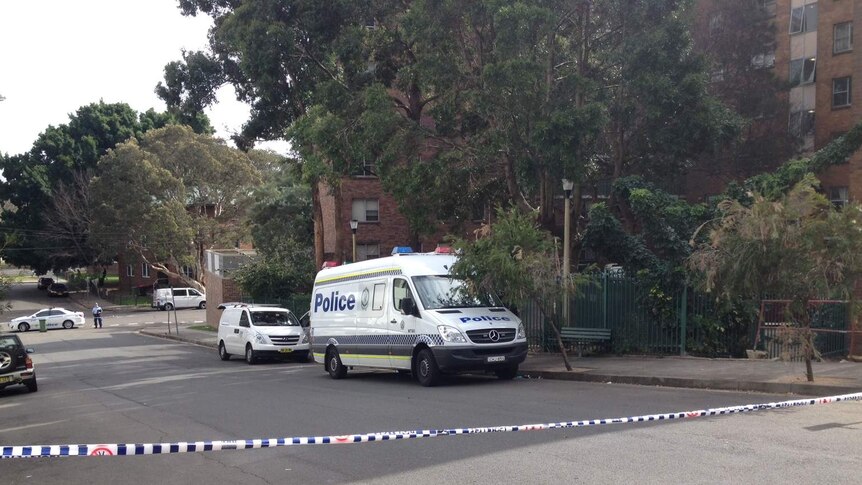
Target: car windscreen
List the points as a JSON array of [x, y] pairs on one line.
[[9, 342], [273, 319], [441, 291]]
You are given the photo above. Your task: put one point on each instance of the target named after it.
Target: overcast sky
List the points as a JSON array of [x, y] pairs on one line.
[[59, 55]]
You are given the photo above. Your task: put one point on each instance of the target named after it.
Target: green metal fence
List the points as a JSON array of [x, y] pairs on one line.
[[644, 318]]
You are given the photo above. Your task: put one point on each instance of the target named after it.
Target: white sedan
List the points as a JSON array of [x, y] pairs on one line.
[[54, 318]]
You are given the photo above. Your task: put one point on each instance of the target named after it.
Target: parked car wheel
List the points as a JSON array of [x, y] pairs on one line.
[[68, 324], [23, 327], [250, 355], [31, 384], [427, 372], [336, 369], [203, 305], [169, 306], [222, 352]]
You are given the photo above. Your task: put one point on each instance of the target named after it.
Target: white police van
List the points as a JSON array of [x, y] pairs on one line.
[[405, 312]]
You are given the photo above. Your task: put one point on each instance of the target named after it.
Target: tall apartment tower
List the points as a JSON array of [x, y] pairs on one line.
[[808, 97], [814, 50]]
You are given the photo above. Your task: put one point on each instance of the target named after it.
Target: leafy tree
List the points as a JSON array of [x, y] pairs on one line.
[[46, 224], [169, 197], [799, 247], [520, 260], [447, 96], [282, 230]]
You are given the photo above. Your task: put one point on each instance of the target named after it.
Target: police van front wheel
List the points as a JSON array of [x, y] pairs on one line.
[[336, 369], [427, 372], [507, 373]]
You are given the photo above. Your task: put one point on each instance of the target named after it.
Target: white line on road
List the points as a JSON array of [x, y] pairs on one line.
[[7, 430]]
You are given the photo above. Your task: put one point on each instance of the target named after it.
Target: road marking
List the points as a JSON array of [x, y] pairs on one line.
[[19, 428]]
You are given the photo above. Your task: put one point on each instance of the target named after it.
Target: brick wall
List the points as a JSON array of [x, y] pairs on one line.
[[219, 290]]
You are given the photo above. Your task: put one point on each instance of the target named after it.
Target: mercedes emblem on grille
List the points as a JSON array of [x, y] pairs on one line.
[[5, 360], [493, 336]]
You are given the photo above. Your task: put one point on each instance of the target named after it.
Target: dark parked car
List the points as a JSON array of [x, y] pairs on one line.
[[16, 367], [44, 283], [58, 289]]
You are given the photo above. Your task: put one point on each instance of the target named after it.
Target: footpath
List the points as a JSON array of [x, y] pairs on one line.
[[754, 375]]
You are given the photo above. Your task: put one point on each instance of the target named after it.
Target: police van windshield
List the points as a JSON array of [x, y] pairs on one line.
[[274, 319], [438, 292]]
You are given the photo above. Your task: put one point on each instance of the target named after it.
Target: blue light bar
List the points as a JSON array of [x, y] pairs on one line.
[[402, 250]]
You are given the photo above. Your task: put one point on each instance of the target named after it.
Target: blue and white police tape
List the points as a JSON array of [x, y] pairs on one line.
[[198, 446]]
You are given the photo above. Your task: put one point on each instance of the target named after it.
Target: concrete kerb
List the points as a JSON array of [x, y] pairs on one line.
[[693, 383], [209, 342]]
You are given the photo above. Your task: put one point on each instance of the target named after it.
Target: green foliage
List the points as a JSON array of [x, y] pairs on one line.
[[799, 248], [46, 217], [282, 229], [664, 226], [170, 196], [520, 93], [774, 185]]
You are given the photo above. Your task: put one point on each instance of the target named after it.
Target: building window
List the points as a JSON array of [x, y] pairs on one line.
[[803, 71], [366, 210], [130, 270], [716, 24], [842, 37], [768, 7], [367, 251], [763, 61], [803, 19], [841, 92], [145, 270], [838, 196], [802, 123], [188, 271]]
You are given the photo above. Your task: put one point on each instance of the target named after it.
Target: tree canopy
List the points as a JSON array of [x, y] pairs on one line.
[[61, 158], [170, 196], [495, 101]]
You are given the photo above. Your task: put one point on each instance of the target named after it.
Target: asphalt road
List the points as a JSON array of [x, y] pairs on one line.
[[116, 386]]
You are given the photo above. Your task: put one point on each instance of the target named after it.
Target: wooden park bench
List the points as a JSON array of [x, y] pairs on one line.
[[583, 336]]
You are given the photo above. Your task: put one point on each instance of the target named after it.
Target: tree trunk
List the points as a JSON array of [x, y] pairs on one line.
[[339, 226], [317, 216], [559, 338]]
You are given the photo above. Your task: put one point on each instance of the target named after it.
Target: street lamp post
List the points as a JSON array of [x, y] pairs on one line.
[[567, 216], [354, 224]]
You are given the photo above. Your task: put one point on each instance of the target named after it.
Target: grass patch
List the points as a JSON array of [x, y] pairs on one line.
[[205, 328]]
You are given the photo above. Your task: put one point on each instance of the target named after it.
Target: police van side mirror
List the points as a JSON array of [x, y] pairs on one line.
[[408, 307]]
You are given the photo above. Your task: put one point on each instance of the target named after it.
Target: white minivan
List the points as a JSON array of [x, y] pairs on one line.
[[170, 298], [405, 312], [260, 331]]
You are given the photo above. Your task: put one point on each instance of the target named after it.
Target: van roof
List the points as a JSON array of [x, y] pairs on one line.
[[404, 264]]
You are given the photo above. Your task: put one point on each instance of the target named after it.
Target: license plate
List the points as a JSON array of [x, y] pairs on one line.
[[5, 379], [285, 351], [499, 358]]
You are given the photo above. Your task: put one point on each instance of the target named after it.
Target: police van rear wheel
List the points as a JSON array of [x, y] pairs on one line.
[[336, 369], [222, 352], [427, 372]]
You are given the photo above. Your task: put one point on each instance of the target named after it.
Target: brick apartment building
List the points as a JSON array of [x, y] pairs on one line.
[[381, 226], [811, 51]]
